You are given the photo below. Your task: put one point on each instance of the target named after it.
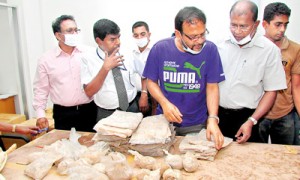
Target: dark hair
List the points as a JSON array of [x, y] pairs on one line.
[[105, 27], [253, 8], [276, 9], [56, 24], [188, 14], [139, 24]]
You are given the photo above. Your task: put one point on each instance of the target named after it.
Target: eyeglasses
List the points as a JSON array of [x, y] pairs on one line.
[[72, 31], [243, 28], [197, 37]]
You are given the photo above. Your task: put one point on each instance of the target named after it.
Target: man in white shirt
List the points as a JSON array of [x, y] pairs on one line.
[[141, 35], [97, 71], [253, 71]]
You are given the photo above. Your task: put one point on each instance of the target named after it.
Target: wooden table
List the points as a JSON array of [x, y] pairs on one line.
[[237, 161]]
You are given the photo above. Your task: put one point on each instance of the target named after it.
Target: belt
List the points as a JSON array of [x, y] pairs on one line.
[[118, 107], [71, 107], [234, 110]]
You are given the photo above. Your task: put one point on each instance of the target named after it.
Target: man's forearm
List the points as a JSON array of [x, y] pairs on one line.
[[212, 98], [95, 85], [265, 104]]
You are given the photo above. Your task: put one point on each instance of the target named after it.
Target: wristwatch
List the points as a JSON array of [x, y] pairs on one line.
[[253, 120]]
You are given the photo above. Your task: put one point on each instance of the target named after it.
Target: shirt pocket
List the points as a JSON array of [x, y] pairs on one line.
[[249, 74]]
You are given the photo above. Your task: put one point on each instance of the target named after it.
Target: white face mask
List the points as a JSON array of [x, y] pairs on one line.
[[141, 42], [71, 39], [245, 40], [189, 50]]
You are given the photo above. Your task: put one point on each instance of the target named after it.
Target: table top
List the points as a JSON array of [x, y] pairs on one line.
[[236, 161]]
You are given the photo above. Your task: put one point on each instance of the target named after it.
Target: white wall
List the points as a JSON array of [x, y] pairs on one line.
[[37, 16], [159, 17]]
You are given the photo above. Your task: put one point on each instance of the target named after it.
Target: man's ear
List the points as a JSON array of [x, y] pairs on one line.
[[57, 36], [177, 33], [264, 24], [257, 23], [98, 41]]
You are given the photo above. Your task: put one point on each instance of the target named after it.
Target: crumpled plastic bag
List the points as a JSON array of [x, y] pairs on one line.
[[85, 173], [40, 167], [117, 167]]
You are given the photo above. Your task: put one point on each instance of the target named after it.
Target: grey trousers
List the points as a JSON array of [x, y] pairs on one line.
[[182, 131]]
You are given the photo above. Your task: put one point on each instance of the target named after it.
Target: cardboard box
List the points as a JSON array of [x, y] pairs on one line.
[[7, 105], [12, 118]]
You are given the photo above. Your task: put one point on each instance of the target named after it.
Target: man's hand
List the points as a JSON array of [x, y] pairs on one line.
[[171, 112], [244, 132], [42, 123], [213, 129], [143, 102], [27, 129], [113, 60]]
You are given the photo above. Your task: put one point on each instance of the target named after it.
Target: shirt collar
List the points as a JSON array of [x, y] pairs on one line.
[[100, 53], [59, 51], [285, 43]]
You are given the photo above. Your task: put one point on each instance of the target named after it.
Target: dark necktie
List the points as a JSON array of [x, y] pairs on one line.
[[121, 90]]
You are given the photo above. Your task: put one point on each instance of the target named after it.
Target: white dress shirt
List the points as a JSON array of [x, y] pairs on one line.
[[249, 71], [107, 96], [141, 56]]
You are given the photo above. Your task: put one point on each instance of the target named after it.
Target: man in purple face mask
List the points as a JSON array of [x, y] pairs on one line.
[[141, 36], [58, 75]]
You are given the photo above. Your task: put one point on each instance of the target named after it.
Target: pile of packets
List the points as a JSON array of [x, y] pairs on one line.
[[130, 131]]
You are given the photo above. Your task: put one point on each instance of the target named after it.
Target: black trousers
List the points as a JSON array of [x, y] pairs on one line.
[[232, 119], [81, 117]]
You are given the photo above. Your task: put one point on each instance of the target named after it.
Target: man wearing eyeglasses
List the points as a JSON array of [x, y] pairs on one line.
[[253, 70], [58, 75], [98, 68], [183, 73], [282, 119]]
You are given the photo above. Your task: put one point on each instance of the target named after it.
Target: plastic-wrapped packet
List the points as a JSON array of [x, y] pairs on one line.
[[117, 167], [100, 167], [153, 175], [66, 148], [85, 173], [33, 156], [144, 162], [172, 174], [190, 162], [95, 152], [67, 163], [174, 160], [147, 133], [40, 167], [139, 174], [64, 165]]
